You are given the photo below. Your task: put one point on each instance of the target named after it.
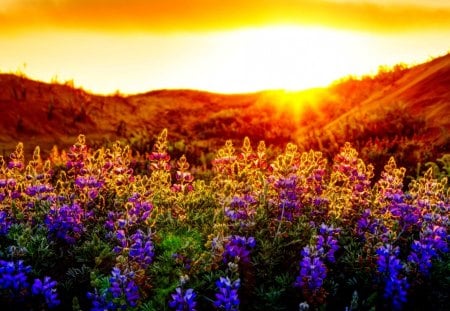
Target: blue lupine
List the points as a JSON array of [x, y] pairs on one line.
[[327, 243], [14, 275], [5, 222], [312, 269], [238, 248], [289, 199], [141, 249], [227, 297], [99, 302], [66, 222], [241, 208], [123, 286], [183, 300], [391, 267], [433, 241], [47, 288]]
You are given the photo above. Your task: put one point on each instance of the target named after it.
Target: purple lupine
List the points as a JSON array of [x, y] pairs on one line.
[[183, 300], [140, 210], [66, 221], [241, 208], [89, 184], [289, 199], [136, 214], [123, 288], [40, 190], [77, 155], [14, 275], [237, 248], [99, 302], [327, 243], [390, 266], [141, 249], [227, 297], [312, 269], [138, 247], [46, 288], [433, 241], [5, 222], [15, 164]]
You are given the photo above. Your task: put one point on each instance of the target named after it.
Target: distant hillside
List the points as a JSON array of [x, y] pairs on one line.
[[403, 111]]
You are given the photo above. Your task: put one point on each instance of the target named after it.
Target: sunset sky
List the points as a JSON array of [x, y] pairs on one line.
[[218, 45]]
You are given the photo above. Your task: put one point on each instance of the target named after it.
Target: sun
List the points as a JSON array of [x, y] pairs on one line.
[[285, 57]]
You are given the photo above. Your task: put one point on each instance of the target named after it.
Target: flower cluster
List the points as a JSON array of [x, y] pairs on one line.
[[121, 294], [89, 184], [67, 221], [183, 300], [227, 297], [349, 185], [241, 208], [433, 241], [289, 203], [139, 211], [183, 177], [312, 269], [5, 222], [77, 155], [14, 280], [237, 249], [390, 266], [141, 249], [327, 243], [46, 288], [14, 275]]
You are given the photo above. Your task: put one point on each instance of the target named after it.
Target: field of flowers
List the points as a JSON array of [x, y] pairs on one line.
[[105, 230]]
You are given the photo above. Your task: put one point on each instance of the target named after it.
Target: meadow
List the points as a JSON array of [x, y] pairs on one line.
[[258, 229]]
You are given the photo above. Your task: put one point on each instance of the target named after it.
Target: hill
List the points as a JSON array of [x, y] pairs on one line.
[[401, 111]]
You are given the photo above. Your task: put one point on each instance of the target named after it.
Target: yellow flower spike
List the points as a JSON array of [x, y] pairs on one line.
[[161, 143], [81, 140], [2, 165]]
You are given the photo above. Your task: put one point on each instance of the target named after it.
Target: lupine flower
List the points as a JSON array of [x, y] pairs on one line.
[[433, 241], [312, 270], [183, 300], [241, 208], [66, 222], [289, 198], [77, 155], [227, 296], [47, 289], [5, 222], [14, 275], [141, 249], [138, 247], [139, 211], [327, 243], [99, 302], [38, 190], [89, 184], [238, 248], [391, 267], [122, 286]]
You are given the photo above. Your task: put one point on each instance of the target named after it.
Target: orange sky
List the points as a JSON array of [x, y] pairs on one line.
[[216, 45]]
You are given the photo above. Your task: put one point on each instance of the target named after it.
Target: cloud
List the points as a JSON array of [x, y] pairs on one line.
[[172, 16]]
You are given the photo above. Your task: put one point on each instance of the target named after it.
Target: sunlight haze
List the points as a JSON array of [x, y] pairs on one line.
[[238, 47]]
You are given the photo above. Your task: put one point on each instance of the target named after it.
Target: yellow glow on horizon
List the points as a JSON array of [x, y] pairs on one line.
[[245, 60]]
